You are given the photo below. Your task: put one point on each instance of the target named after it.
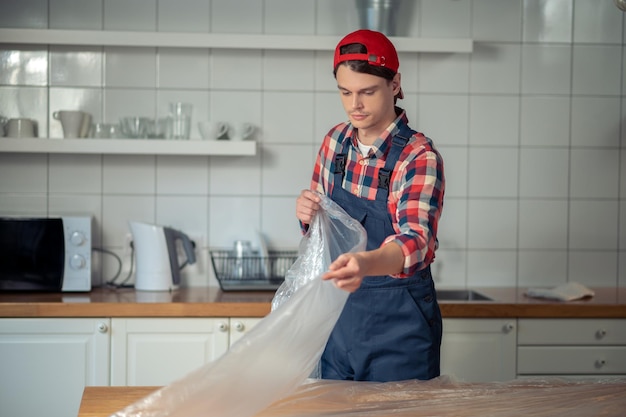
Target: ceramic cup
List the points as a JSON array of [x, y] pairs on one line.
[[214, 130], [75, 123], [85, 125], [20, 128], [245, 131]]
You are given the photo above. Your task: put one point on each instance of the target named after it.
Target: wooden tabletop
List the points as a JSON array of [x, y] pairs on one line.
[[212, 302], [104, 401], [441, 396]]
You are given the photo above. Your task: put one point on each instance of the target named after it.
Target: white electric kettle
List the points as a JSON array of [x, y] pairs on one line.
[[156, 249]]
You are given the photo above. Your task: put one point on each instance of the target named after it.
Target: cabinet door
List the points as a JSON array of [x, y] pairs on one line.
[[155, 351], [240, 326], [479, 350], [46, 363]]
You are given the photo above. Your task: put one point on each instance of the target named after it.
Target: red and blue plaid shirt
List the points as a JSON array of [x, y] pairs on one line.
[[416, 187]]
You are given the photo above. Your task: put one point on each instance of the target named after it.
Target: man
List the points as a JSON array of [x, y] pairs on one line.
[[390, 178]]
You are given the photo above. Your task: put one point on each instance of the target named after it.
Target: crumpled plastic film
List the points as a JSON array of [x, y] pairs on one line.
[[281, 351], [332, 233], [447, 397]]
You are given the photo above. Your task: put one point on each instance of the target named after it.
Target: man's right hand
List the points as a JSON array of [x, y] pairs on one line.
[[307, 204]]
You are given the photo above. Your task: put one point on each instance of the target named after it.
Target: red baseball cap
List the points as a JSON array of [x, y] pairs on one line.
[[380, 50]]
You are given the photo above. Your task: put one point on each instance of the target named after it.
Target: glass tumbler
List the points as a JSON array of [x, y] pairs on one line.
[[242, 251], [180, 120]]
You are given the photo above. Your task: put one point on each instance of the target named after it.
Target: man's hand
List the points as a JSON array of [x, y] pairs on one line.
[[349, 269], [307, 205]]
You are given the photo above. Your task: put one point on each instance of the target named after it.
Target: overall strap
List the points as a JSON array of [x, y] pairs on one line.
[[398, 142], [339, 165]]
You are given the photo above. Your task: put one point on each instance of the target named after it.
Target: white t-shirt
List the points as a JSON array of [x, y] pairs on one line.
[[365, 149]]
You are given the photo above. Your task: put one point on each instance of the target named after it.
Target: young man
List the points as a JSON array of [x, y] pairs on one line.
[[390, 178]]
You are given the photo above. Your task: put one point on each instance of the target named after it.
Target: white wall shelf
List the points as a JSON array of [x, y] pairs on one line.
[[216, 40], [182, 40], [128, 146]]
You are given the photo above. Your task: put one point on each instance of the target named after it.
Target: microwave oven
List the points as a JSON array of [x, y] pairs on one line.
[[48, 254]]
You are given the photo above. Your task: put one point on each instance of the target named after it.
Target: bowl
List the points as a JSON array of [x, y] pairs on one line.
[[134, 127]]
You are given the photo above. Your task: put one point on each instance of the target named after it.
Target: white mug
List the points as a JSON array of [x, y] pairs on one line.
[[20, 128], [75, 123], [245, 131], [214, 130]]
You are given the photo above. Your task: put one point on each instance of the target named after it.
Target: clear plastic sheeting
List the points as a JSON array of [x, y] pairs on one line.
[[443, 396], [332, 233], [281, 351]]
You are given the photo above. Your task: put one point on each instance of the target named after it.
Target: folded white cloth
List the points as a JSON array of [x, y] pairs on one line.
[[566, 292]]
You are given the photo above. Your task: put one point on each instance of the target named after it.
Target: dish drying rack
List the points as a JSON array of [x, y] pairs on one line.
[[251, 272]]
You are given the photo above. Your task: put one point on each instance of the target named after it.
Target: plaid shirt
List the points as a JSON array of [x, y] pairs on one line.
[[416, 187]]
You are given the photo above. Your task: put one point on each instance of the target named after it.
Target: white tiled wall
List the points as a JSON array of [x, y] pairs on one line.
[[532, 127]]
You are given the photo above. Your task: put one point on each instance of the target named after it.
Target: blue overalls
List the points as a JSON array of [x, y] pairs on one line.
[[390, 328]]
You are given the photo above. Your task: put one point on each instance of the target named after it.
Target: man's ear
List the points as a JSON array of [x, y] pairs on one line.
[[395, 83]]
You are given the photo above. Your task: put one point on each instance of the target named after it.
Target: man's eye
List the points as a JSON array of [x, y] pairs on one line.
[[345, 93], [368, 92]]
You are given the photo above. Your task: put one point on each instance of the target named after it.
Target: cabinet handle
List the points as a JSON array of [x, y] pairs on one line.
[[102, 327], [600, 363], [222, 327], [600, 334], [508, 328], [239, 326]]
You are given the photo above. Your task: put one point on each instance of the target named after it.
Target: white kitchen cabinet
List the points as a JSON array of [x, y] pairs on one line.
[[46, 363], [238, 327], [479, 350], [157, 351], [587, 348]]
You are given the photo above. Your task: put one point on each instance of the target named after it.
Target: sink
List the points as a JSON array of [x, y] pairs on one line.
[[461, 295]]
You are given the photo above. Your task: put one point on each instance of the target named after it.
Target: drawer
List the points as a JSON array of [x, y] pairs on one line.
[[550, 360], [571, 332]]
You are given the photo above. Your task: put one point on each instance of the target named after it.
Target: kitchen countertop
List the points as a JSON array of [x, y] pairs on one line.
[[212, 302]]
